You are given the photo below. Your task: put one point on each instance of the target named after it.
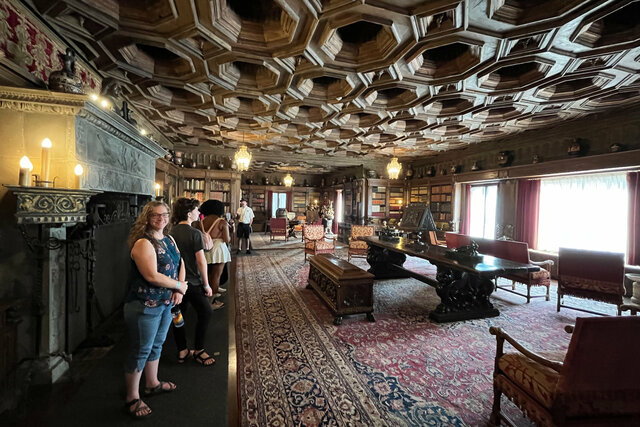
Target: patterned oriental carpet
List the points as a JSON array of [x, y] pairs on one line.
[[296, 368]]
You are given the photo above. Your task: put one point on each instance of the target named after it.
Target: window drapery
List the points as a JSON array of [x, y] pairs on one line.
[[584, 212], [633, 241], [527, 222]]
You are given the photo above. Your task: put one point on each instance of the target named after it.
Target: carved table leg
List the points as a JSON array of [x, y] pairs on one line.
[[337, 321], [370, 317], [382, 261], [463, 296]]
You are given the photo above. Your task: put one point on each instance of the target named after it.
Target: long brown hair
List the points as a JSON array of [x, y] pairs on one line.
[[141, 227]]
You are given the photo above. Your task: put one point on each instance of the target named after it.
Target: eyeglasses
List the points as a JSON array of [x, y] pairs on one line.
[[162, 215]]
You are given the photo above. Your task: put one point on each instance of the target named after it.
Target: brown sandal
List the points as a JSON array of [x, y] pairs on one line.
[[132, 408]]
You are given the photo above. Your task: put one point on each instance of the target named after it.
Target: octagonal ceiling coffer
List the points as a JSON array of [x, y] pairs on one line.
[[160, 61], [515, 76], [619, 26], [359, 32], [572, 89], [518, 12], [255, 10], [445, 61]]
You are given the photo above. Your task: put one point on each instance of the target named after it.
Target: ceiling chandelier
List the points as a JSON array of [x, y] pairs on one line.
[[242, 157], [288, 180], [393, 168]]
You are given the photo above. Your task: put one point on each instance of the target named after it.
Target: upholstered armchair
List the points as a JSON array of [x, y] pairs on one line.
[[314, 241], [594, 383], [590, 274], [358, 248], [278, 228]]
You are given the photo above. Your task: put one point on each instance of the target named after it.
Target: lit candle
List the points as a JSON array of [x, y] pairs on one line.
[[157, 189], [25, 172], [79, 171], [46, 161]]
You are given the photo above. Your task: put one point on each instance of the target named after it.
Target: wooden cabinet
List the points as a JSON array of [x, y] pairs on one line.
[[200, 184], [385, 199]]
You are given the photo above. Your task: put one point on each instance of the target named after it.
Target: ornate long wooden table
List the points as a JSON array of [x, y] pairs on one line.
[[464, 286]]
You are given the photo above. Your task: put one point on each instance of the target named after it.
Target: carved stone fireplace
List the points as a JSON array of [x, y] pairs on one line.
[[68, 259]]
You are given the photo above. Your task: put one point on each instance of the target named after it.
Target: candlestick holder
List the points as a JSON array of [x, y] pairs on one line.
[[42, 183]]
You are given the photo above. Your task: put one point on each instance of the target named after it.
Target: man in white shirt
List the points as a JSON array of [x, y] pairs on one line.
[[245, 219]]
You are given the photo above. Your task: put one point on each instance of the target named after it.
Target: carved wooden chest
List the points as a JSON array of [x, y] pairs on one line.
[[345, 288]]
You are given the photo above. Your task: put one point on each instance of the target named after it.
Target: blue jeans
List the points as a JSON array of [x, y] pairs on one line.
[[148, 328]]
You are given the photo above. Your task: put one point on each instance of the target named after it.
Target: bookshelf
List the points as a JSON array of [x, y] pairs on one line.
[[299, 202], [395, 201], [194, 188], [441, 205], [220, 190], [419, 194], [378, 204]]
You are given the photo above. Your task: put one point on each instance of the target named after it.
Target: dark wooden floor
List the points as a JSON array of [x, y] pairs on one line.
[[93, 394]]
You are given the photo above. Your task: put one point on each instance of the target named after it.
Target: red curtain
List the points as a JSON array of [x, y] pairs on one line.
[[334, 227], [527, 212], [466, 213], [289, 201], [633, 252], [268, 203]]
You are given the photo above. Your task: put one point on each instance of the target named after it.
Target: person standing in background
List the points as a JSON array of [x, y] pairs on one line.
[[245, 220], [215, 224], [191, 245]]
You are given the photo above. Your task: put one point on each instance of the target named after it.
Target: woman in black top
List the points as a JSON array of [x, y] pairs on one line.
[[190, 243]]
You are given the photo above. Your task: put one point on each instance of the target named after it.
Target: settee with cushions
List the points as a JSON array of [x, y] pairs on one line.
[[512, 251]]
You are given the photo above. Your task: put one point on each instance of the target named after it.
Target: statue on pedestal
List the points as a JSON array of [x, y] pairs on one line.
[[65, 80]]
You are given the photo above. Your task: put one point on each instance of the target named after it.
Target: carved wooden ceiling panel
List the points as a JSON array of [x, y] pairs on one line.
[[362, 80]]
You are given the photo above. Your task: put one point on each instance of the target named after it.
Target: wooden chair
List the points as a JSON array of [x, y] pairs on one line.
[[315, 242], [519, 252], [301, 221], [278, 228], [358, 248], [589, 274], [595, 383]]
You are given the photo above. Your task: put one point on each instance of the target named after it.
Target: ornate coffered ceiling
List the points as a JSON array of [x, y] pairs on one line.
[[339, 82]]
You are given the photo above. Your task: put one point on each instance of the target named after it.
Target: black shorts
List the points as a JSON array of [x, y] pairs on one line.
[[243, 230]]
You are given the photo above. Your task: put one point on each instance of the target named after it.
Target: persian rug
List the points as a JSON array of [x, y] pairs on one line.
[[296, 368]]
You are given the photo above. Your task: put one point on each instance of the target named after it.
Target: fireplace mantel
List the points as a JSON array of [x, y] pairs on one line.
[[54, 206]]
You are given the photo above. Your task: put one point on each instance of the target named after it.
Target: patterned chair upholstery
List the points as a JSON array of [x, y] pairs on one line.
[[278, 228], [315, 242], [592, 382], [590, 274], [358, 248]]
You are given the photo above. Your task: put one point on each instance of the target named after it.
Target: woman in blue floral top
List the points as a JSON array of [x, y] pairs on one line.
[[157, 282]]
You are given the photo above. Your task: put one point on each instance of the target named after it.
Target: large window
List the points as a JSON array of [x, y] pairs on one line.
[[482, 213], [278, 200], [583, 212]]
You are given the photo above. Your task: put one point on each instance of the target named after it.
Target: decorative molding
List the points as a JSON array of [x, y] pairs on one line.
[[121, 129], [41, 101], [40, 205]]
